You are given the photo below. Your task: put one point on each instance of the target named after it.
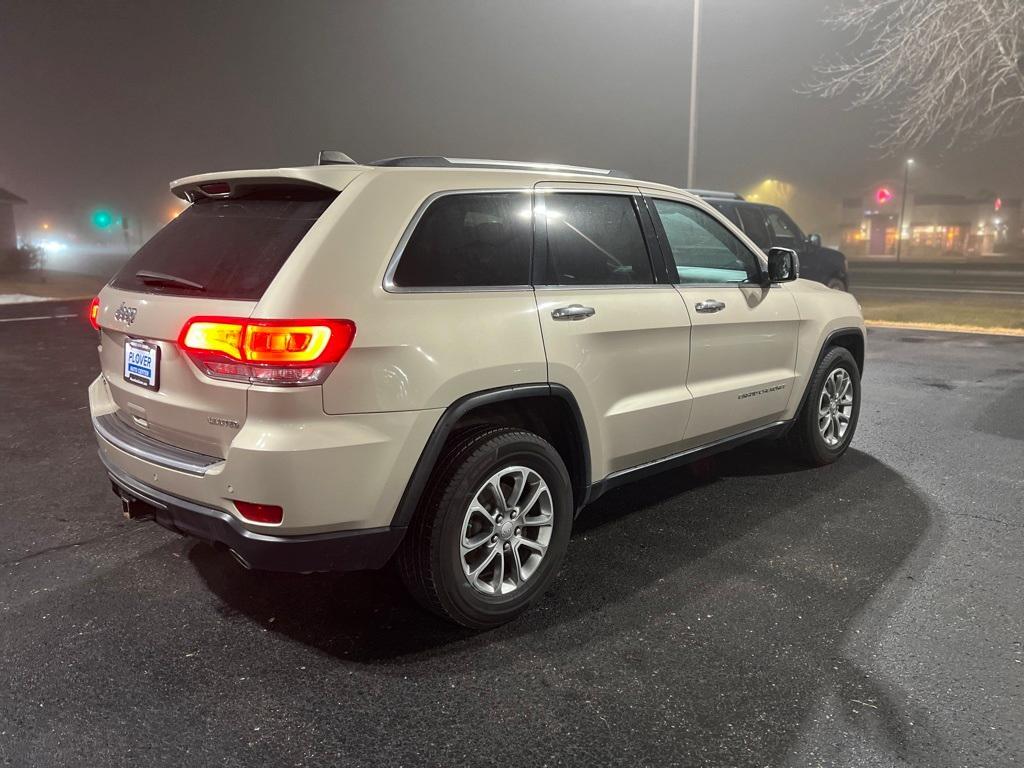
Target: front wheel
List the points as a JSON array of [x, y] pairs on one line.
[[492, 529], [825, 425]]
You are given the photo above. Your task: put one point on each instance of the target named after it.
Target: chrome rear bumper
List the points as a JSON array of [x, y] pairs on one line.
[[144, 447]]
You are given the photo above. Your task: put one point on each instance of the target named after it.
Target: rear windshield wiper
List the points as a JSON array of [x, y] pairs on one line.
[[159, 278]]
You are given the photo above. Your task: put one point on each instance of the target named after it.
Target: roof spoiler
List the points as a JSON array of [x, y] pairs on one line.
[[237, 183]]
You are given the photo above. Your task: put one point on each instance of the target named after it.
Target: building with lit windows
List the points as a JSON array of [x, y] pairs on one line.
[[934, 225], [8, 233]]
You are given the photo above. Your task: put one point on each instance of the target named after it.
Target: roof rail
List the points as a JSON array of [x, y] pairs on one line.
[[432, 161], [714, 193]]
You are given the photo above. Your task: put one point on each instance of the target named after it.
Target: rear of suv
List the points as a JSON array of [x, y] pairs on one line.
[[439, 363]]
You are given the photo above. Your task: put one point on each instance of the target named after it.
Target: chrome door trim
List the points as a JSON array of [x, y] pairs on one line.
[[709, 305], [572, 312], [605, 286], [721, 442]]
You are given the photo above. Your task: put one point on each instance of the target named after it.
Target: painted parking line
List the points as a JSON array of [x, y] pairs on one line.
[[909, 289], [38, 317]]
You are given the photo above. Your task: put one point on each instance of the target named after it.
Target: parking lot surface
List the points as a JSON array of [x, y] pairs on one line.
[[744, 611]]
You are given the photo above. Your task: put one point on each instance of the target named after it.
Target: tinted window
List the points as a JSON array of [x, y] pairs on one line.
[[784, 230], [704, 251], [727, 210], [595, 239], [752, 218], [467, 240], [231, 247]]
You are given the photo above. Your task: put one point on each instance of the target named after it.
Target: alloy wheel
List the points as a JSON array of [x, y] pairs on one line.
[[835, 407], [506, 530]]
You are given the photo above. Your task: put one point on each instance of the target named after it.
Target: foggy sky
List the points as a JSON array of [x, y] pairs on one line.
[[106, 102]]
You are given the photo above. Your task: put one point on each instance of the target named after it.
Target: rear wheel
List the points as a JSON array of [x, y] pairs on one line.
[[492, 529], [826, 422], [837, 284]]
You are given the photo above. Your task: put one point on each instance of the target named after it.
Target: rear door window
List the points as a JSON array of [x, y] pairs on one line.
[[752, 219], [227, 248], [785, 232], [727, 210], [477, 239], [594, 239]]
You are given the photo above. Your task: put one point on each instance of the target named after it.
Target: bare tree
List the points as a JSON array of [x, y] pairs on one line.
[[939, 70]]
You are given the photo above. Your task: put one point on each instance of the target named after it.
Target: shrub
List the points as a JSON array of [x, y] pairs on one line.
[[20, 259]]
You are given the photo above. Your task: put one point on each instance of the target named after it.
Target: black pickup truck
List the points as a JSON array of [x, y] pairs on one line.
[[769, 225]]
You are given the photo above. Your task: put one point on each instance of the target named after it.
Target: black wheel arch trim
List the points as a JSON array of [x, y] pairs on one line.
[[451, 416], [825, 345]]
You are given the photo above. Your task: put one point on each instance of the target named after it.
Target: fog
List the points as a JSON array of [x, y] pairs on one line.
[[104, 103]]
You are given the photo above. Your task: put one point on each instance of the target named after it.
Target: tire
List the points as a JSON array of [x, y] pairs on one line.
[[806, 439], [837, 284], [432, 563]]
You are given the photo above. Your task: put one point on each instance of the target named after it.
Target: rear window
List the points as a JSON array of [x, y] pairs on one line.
[[228, 248], [479, 239]]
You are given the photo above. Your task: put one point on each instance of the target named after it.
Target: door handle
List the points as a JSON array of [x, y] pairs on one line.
[[572, 312], [710, 305]]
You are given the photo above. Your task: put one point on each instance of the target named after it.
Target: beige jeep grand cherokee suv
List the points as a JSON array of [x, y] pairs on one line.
[[440, 362]]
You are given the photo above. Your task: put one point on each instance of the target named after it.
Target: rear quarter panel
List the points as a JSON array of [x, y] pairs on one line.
[[412, 350]]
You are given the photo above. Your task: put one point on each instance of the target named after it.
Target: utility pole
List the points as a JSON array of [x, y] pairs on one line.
[[692, 146], [903, 206]]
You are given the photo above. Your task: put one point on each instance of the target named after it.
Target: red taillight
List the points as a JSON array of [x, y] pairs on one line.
[[260, 513], [270, 352], [94, 313], [214, 336]]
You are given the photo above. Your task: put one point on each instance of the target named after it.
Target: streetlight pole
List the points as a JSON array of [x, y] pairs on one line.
[[903, 206], [692, 146]]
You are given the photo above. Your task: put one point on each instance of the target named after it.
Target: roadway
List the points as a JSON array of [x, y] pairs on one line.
[[745, 612]]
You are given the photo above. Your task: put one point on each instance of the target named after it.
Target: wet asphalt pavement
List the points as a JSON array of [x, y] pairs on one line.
[[742, 612]]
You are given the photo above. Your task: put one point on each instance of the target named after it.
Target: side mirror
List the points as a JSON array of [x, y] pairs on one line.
[[814, 240], [783, 265]]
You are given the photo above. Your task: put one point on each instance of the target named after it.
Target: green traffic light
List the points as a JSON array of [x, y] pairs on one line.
[[102, 219]]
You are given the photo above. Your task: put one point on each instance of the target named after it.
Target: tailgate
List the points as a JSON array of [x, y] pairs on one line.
[[187, 409], [216, 259]]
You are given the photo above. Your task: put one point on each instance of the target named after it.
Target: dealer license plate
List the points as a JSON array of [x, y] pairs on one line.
[[142, 363]]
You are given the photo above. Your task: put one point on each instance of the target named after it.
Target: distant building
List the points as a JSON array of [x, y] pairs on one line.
[[8, 233], [933, 224]]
